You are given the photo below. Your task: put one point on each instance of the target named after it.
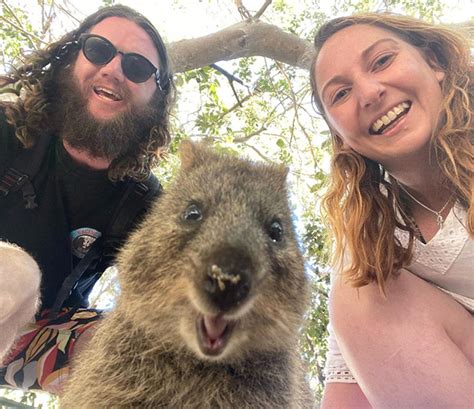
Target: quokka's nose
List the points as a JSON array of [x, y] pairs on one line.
[[228, 280]]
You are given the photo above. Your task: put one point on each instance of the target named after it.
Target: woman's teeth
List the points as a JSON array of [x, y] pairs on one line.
[[386, 120]]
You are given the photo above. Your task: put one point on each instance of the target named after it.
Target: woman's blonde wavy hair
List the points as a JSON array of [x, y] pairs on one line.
[[362, 200], [35, 84]]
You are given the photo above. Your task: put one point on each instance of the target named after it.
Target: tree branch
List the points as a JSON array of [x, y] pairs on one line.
[[244, 39]]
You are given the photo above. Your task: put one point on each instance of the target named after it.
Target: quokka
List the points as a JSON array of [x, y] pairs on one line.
[[213, 292]]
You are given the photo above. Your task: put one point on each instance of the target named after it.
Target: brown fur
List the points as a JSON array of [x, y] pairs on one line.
[[146, 353]]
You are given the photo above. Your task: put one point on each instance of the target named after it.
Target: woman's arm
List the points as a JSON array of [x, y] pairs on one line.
[[410, 349], [344, 395]]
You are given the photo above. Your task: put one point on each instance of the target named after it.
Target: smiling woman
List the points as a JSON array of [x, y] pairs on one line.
[[374, 74], [396, 93]]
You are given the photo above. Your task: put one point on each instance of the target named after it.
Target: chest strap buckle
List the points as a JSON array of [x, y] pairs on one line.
[[13, 180]]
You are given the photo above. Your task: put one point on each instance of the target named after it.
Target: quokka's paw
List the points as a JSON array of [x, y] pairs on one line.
[[20, 280]]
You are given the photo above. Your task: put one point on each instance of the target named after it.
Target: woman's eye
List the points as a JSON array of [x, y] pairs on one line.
[[340, 94], [382, 61]]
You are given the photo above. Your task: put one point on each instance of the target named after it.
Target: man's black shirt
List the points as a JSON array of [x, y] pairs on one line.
[[75, 205]]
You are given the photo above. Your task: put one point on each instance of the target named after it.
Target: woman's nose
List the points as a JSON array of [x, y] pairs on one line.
[[370, 92]]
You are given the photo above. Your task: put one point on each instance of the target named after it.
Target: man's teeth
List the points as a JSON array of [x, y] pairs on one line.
[[108, 93], [389, 117]]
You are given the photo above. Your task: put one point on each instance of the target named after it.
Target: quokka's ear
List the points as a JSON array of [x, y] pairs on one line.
[[284, 170], [192, 154], [280, 174]]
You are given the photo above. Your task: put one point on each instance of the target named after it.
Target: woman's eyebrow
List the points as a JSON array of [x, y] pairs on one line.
[[369, 49]]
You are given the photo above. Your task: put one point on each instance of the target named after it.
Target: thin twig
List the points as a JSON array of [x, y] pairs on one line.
[[296, 114], [243, 11], [259, 13], [319, 370], [236, 106], [29, 36], [245, 138], [11, 12], [231, 78], [258, 153], [46, 25], [68, 13]]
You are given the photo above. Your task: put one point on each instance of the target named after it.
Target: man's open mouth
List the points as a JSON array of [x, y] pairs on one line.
[[390, 118], [107, 93]]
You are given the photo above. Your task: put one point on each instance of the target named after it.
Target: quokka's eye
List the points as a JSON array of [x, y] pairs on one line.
[[193, 213], [275, 231]]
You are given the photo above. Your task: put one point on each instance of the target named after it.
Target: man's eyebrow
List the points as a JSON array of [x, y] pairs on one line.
[[364, 54]]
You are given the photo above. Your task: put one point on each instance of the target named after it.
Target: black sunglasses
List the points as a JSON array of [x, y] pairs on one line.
[[100, 51]]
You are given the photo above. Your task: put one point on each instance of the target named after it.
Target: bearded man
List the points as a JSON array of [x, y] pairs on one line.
[[76, 151]]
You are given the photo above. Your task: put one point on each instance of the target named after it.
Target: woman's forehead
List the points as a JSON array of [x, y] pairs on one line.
[[355, 39], [350, 46]]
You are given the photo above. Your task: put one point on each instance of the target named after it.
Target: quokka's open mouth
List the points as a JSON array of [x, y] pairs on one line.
[[213, 334]]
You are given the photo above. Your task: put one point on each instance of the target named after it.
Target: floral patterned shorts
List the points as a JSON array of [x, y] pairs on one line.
[[41, 355]]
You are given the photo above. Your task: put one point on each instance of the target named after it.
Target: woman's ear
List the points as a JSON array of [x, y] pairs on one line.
[[433, 62], [439, 74], [337, 140]]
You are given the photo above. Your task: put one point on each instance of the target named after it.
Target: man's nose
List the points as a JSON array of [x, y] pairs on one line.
[[113, 69]]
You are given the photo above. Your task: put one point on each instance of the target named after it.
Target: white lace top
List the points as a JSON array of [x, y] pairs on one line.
[[447, 261]]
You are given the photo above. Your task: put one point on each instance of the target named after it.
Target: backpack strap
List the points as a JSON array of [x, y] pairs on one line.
[[136, 199], [24, 168], [127, 210]]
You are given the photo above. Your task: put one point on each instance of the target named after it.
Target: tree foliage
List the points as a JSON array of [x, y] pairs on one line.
[[255, 102]]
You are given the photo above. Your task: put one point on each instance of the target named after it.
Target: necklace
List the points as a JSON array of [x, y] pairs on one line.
[[439, 217]]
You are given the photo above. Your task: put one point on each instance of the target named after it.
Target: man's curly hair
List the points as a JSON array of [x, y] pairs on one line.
[[38, 79]]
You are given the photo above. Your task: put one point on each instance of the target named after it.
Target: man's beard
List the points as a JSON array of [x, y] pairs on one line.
[[107, 139]]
